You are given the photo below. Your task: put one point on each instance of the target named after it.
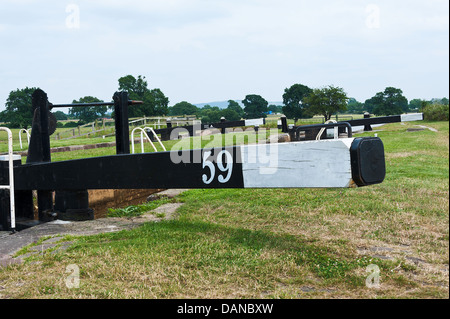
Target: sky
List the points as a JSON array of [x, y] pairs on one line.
[[215, 50]]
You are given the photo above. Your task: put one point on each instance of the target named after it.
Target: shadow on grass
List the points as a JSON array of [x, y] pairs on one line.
[[210, 246]]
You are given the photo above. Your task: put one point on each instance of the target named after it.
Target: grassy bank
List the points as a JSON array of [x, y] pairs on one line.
[[285, 243]]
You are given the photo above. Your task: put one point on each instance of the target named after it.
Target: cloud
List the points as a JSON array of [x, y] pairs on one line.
[[200, 50]]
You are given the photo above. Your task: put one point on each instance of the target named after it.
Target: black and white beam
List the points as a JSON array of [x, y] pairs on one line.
[[348, 162]]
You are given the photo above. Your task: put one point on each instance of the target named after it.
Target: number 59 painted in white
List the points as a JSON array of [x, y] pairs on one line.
[[228, 168]]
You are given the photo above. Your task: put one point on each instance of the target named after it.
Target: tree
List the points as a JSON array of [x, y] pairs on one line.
[[88, 114], [371, 103], [417, 104], [443, 101], [294, 104], [160, 102], [234, 106], [389, 102], [275, 108], [355, 107], [155, 102], [255, 106], [327, 101], [19, 111], [230, 115], [134, 87], [210, 114], [183, 108], [60, 116]]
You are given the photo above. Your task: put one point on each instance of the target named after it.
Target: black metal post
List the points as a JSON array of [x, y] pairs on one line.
[[284, 126], [165, 133], [39, 150], [121, 122]]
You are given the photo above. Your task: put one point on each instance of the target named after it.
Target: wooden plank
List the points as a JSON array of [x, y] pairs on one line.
[[311, 164], [298, 164]]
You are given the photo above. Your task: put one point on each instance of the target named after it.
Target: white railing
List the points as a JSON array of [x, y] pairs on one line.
[[10, 187], [335, 130], [20, 136], [144, 133]]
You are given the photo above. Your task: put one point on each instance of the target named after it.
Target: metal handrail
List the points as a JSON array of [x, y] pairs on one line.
[[156, 136], [329, 125], [20, 136], [11, 178], [143, 132]]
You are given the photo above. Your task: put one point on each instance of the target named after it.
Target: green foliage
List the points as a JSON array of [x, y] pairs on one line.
[[155, 102], [294, 102], [230, 115], [255, 106], [436, 112], [210, 114], [443, 101], [275, 108], [234, 106], [159, 101], [71, 124], [60, 116], [389, 102], [213, 114], [136, 210], [355, 107], [183, 108], [417, 104], [89, 113], [19, 112], [327, 101], [133, 86]]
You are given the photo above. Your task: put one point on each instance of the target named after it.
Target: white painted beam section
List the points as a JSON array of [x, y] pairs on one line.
[[312, 164], [254, 122], [411, 117]]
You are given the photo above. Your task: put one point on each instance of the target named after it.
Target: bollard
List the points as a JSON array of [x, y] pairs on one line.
[[284, 125], [222, 120], [165, 135], [367, 127]]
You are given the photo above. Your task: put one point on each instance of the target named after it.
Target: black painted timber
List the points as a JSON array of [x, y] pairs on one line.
[[165, 132], [126, 171]]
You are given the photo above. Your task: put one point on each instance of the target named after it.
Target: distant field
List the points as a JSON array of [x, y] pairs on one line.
[[271, 122], [284, 243]]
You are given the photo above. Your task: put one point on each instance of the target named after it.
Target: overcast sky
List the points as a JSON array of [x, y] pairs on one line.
[[215, 50]]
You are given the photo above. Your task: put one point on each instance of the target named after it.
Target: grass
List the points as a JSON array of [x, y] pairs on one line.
[[288, 243], [137, 210]]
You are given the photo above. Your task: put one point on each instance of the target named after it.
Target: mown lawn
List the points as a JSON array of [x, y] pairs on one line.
[[284, 243]]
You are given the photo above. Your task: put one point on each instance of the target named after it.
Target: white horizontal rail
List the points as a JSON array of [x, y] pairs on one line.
[[10, 187]]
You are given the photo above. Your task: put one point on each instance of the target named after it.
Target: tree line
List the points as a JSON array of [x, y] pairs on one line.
[[299, 101], [18, 112]]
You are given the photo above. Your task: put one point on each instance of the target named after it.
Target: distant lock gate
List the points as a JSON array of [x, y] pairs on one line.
[[62, 187]]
